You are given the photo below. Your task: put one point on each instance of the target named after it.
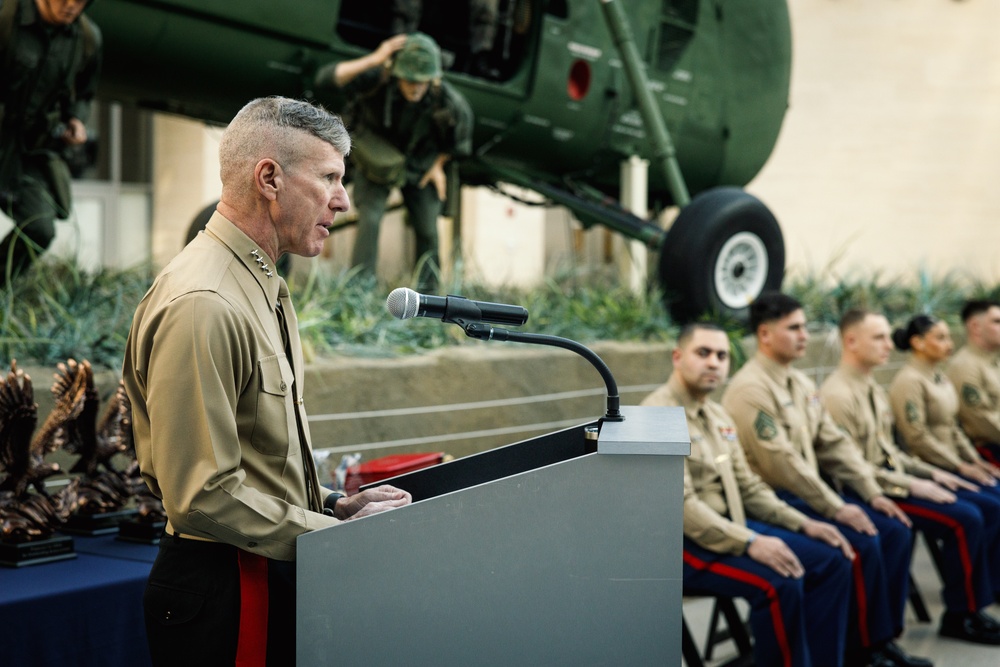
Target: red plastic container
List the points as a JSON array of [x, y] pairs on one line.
[[388, 466]]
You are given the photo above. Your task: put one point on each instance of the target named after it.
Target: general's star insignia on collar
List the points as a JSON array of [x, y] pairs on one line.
[[260, 262]]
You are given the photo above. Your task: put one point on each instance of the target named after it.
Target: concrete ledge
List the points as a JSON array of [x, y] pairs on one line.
[[471, 398]]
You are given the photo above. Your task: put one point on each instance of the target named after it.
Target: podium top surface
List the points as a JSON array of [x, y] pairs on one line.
[[646, 430]]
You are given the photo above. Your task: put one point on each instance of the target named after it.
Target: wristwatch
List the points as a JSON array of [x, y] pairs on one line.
[[753, 536], [330, 503]]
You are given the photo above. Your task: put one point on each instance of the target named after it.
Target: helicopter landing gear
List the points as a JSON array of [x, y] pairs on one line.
[[722, 251]]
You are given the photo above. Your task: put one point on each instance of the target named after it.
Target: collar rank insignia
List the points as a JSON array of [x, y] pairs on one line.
[[260, 262]]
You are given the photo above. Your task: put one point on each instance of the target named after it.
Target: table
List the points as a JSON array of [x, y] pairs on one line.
[[86, 611]]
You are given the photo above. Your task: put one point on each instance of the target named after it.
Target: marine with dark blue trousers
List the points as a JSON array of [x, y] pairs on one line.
[[794, 571], [928, 494], [792, 443]]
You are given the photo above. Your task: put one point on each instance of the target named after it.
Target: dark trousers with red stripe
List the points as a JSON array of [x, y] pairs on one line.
[[800, 622], [211, 605], [989, 451], [987, 499], [960, 527], [881, 576]]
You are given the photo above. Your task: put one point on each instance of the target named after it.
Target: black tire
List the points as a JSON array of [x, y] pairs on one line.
[[724, 249], [200, 221]]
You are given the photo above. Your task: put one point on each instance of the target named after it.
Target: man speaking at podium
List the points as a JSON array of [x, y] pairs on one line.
[[213, 368]]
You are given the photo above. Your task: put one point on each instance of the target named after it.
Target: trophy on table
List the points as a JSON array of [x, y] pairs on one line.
[[29, 514], [104, 492]]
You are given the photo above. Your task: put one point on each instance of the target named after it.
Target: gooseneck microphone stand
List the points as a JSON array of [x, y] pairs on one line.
[[483, 331]]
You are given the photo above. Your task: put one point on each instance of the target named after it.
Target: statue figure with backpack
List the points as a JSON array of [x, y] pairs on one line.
[[50, 60], [406, 124]]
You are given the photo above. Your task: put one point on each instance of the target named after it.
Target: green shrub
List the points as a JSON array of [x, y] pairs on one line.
[[57, 310]]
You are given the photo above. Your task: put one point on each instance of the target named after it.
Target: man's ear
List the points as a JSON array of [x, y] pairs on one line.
[[763, 333], [267, 176]]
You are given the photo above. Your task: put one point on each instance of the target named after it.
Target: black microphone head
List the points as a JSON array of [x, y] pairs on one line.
[[403, 303]]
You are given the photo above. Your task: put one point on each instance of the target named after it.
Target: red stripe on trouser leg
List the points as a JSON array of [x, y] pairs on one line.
[[251, 649], [757, 582], [987, 454], [862, 597], [963, 545]]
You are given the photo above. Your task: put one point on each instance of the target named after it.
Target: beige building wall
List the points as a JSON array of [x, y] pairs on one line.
[[185, 180], [889, 156]]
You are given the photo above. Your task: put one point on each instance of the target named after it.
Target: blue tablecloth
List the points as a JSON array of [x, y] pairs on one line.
[[85, 611]]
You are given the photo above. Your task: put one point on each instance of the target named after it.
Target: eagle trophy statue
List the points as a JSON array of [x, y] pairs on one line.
[[25, 515]]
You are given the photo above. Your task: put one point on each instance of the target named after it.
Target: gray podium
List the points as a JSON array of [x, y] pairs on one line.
[[557, 550]]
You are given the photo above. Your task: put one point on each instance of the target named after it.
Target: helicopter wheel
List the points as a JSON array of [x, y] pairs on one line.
[[724, 249]]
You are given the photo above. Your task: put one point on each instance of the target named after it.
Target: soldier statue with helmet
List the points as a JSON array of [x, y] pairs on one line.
[[406, 124], [50, 59]]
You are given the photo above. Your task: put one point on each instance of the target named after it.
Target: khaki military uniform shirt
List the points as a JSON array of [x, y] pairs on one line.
[[720, 490], [976, 376], [860, 407], [788, 436], [214, 399], [925, 405]]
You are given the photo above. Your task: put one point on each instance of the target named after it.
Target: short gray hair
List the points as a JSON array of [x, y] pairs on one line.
[[266, 127]]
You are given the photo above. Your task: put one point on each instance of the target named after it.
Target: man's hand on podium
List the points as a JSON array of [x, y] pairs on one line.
[[371, 501]]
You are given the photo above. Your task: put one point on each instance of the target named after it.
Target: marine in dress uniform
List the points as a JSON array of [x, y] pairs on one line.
[[925, 404], [925, 408], [799, 591], [975, 372], [213, 369], [860, 407], [792, 443]]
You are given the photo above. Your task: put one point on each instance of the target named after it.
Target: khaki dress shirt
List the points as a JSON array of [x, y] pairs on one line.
[[214, 399], [860, 407], [925, 405], [788, 437], [976, 376], [720, 490]]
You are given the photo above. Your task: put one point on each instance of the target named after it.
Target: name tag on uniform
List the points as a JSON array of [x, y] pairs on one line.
[[721, 458]]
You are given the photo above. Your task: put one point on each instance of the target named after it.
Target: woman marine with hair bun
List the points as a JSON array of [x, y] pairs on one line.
[[925, 403]]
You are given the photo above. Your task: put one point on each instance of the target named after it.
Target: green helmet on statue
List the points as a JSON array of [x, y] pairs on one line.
[[419, 59]]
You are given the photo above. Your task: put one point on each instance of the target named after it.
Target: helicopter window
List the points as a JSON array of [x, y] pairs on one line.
[[557, 9], [677, 24], [480, 38]]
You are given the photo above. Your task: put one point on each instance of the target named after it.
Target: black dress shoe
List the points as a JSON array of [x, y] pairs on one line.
[[878, 658], [900, 657], [988, 620], [968, 627]]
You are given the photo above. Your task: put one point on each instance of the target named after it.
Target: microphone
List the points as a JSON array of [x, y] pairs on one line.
[[403, 303]]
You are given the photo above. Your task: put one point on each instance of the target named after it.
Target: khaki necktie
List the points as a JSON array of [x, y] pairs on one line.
[[887, 450], [724, 465], [293, 351], [801, 404]]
